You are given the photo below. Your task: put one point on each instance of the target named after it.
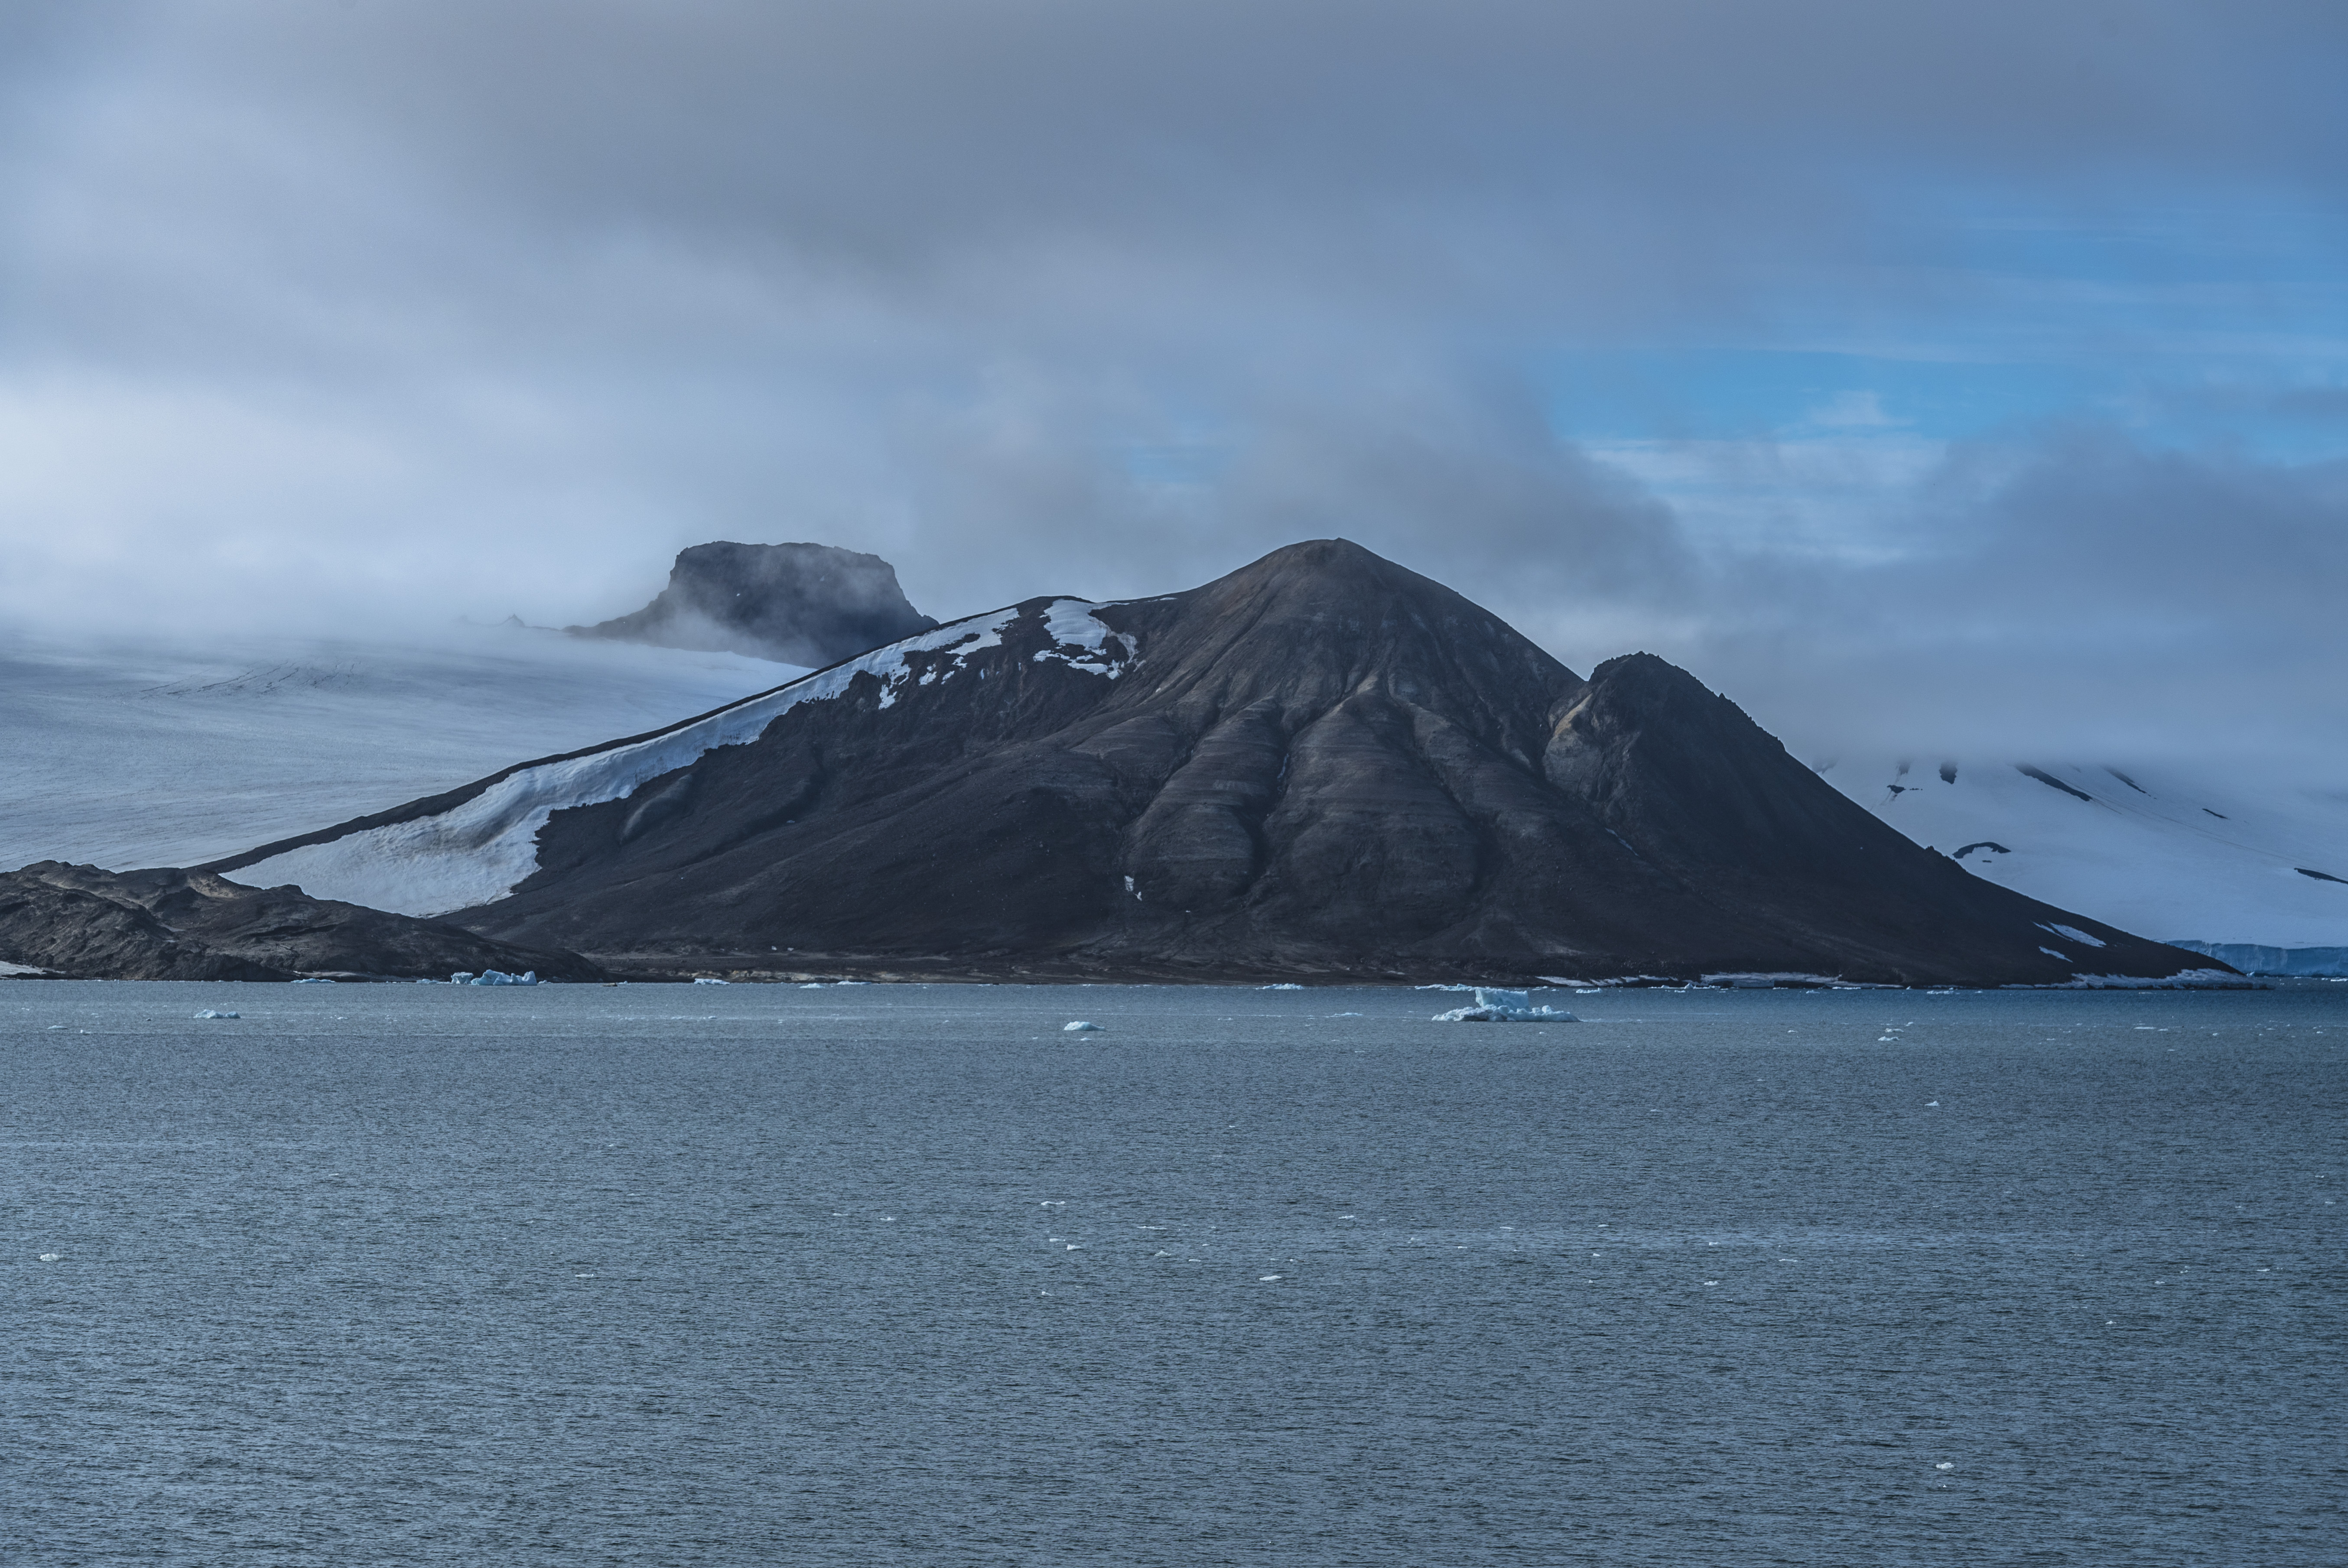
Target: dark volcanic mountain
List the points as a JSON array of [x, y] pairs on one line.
[[812, 604], [81, 922], [1320, 765]]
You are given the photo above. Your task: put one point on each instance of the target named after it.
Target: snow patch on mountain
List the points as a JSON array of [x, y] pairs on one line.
[[1081, 642], [483, 848]]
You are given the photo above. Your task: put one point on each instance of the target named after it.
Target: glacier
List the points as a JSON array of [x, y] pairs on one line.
[[2199, 855], [2252, 959]]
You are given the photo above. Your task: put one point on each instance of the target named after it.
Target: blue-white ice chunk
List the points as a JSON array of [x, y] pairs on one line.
[[1493, 1006], [493, 977]]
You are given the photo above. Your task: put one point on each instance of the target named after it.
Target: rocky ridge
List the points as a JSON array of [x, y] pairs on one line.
[[82, 922], [805, 605]]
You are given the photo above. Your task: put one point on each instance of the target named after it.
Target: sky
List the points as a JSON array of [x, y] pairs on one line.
[[1964, 378]]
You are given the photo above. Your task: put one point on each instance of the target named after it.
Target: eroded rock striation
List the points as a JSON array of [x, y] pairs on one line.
[[1321, 764], [810, 604], [81, 922]]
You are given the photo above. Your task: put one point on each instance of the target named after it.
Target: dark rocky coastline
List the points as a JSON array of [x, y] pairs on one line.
[[82, 922]]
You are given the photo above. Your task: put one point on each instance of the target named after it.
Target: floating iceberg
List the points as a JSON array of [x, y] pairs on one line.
[[709, 980], [1080, 1027], [313, 980], [493, 977], [1495, 1007], [214, 1013]]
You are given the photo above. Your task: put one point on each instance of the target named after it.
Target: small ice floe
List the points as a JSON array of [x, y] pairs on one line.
[[1283, 985], [52, 1257], [493, 977], [1931, 1104], [1773, 979], [215, 1013], [1072, 1247], [1495, 1007], [2183, 980], [1944, 1464], [1344, 1015], [709, 980], [1265, 1279], [1080, 1027], [313, 980]]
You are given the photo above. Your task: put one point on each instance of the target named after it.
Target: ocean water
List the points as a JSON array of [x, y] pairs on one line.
[[911, 1274]]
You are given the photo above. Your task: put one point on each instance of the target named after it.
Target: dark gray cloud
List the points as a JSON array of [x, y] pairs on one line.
[[2075, 593], [408, 309]]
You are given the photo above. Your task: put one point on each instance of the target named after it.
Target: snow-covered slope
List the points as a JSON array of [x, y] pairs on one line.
[[480, 849], [2169, 853], [175, 753]]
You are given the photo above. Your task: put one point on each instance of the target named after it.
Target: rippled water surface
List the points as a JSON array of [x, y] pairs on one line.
[[879, 1276]]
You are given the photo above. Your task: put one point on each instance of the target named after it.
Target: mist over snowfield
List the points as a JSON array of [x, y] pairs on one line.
[[162, 752]]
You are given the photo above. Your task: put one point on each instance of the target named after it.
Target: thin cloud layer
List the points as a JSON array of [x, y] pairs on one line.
[[389, 313]]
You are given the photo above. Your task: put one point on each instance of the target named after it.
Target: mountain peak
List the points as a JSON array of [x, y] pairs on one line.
[[808, 604], [1333, 569]]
